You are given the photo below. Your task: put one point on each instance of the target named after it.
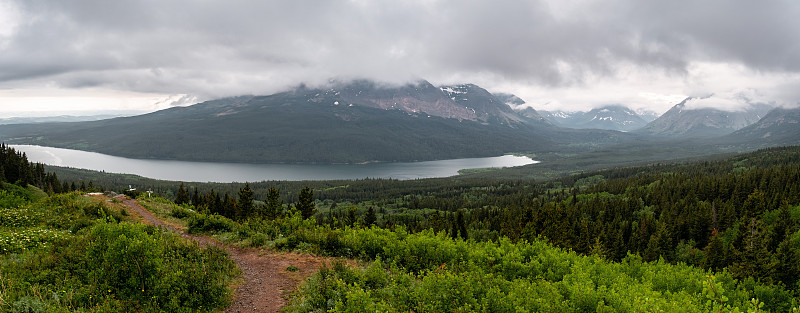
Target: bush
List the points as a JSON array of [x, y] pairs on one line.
[[118, 268], [433, 273], [210, 224], [181, 212], [28, 305], [11, 200], [258, 240]]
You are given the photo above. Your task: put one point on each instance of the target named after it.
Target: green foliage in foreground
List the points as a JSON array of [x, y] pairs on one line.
[[67, 253], [431, 272]]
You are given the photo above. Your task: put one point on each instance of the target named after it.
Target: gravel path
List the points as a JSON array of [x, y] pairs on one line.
[[266, 282]]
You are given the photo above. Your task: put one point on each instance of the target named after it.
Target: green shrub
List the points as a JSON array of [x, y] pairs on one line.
[[210, 224], [28, 305], [24, 193], [113, 267], [258, 240], [181, 212], [11, 200], [431, 272]]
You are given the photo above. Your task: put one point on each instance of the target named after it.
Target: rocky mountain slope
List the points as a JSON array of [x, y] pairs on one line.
[[780, 126], [681, 121]]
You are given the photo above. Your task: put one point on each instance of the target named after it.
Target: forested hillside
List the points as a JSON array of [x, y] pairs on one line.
[[737, 217], [710, 236], [716, 235], [740, 213]]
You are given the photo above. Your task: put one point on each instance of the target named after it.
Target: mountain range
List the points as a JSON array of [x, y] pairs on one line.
[[517, 105], [704, 122], [611, 117], [780, 126], [355, 122], [364, 121]]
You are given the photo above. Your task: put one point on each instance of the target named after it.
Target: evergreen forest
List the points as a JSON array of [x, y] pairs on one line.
[[715, 235]]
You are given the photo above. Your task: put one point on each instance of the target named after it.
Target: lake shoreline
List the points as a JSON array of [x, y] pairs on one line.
[[223, 172]]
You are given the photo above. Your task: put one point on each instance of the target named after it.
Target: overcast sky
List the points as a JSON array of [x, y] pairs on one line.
[[60, 56]]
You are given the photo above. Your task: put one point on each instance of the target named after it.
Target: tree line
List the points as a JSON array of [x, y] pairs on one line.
[[244, 205], [16, 169]]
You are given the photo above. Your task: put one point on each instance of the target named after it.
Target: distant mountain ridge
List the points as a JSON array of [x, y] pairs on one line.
[[781, 126], [610, 117], [648, 115], [345, 123], [487, 107], [413, 98], [363, 121], [518, 105], [680, 121], [61, 118]]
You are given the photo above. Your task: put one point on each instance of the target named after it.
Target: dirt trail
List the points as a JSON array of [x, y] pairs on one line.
[[266, 282]]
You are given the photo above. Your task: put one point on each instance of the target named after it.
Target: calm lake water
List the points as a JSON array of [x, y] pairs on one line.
[[241, 172]]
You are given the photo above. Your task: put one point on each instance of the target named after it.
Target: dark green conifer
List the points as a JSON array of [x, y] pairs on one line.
[[370, 218], [750, 255], [660, 244], [788, 267], [183, 195], [714, 257], [459, 226], [196, 198], [244, 206], [305, 202], [274, 208]]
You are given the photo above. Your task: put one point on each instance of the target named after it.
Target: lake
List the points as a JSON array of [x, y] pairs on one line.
[[241, 172]]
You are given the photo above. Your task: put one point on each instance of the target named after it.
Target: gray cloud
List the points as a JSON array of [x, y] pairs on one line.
[[213, 48]]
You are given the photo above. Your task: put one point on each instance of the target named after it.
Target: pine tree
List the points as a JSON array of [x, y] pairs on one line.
[[598, 249], [351, 216], [305, 202], [714, 257], [244, 207], [660, 244], [274, 207], [196, 198], [214, 203], [751, 258], [755, 205], [460, 226], [583, 242], [788, 267], [228, 207], [782, 226], [183, 196], [618, 250], [370, 218]]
